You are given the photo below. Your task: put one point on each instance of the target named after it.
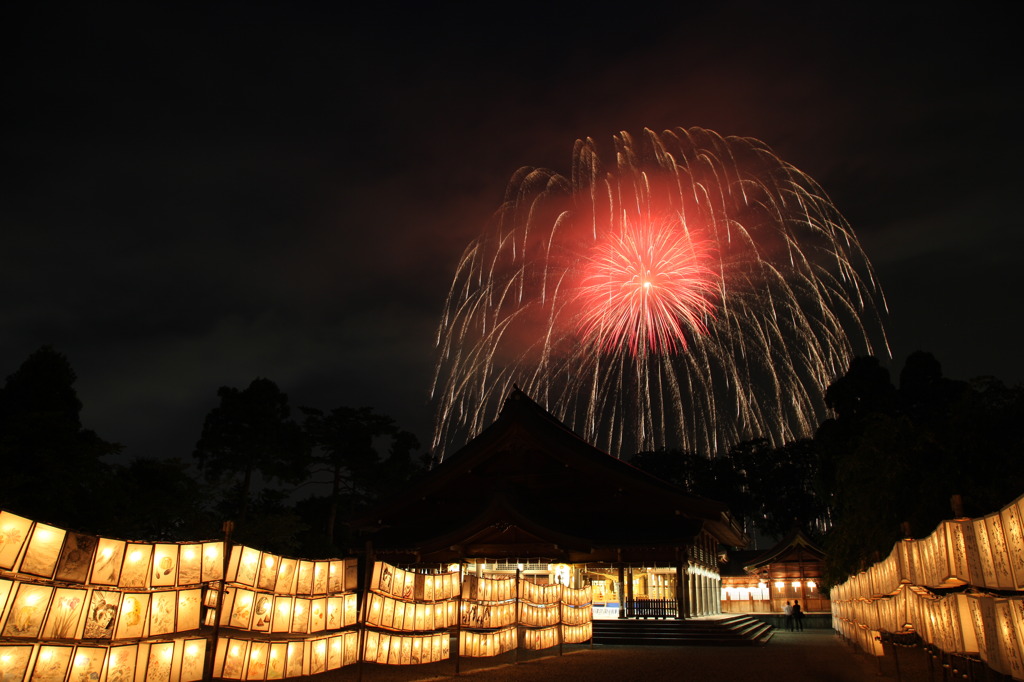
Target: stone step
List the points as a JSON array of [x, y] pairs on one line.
[[726, 631]]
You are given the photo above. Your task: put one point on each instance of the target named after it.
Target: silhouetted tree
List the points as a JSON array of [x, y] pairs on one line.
[[52, 466], [781, 483], [163, 500], [346, 442], [251, 433], [893, 456]]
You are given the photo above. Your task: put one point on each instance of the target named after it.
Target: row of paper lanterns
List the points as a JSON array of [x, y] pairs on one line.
[[178, 659], [244, 659], [495, 643], [412, 585], [264, 612], [986, 552], [42, 551], [960, 622], [283, 575], [43, 611]]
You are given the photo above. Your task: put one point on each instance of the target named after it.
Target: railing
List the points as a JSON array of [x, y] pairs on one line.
[[651, 608]]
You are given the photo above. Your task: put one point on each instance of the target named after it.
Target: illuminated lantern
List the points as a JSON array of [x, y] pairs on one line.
[[43, 550], [135, 569], [14, 531], [165, 566]]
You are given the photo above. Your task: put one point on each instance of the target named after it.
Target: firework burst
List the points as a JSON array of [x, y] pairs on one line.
[[696, 292]]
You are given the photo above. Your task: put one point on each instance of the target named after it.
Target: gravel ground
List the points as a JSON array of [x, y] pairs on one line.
[[809, 656]]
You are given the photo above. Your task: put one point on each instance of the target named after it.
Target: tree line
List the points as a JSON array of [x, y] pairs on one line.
[[885, 464], [891, 461], [289, 482]]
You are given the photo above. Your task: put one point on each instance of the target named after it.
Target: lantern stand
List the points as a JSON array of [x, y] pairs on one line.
[[228, 527], [364, 606], [458, 618], [519, 611]]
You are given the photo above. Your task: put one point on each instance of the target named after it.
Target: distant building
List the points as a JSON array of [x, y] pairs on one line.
[[763, 581]]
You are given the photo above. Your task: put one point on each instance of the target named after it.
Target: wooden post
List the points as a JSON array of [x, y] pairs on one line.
[[622, 592], [458, 622], [228, 527], [631, 605], [519, 614], [369, 559], [681, 587]]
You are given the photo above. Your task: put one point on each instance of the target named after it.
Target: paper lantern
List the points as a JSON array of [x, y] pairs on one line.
[[135, 569], [577, 634], [213, 561], [285, 583], [1013, 527], [541, 639], [121, 663], [277, 656], [190, 564], [67, 608], [336, 577], [28, 608], [296, 659], [984, 550], [188, 610], [52, 663], [106, 567], [304, 584], [44, 547], [131, 616], [165, 565], [14, 532], [14, 661], [1000, 552], [102, 614], [76, 558], [1011, 653]]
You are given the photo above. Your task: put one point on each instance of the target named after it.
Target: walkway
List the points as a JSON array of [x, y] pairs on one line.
[[809, 656]]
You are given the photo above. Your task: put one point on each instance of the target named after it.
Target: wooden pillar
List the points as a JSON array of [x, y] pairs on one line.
[[682, 585], [630, 611], [691, 607], [622, 592]]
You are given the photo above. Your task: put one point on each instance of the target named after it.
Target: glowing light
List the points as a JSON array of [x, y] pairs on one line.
[[811, 584], [796, 583], [190, 554], [268, 561], [694, 292], [135, 556], [779, 585], [191, 650], [107, 552]]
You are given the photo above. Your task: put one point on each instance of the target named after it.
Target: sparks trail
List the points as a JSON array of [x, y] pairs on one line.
[[698, 292]]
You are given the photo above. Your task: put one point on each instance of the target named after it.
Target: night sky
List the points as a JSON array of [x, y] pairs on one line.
[[199, 198]]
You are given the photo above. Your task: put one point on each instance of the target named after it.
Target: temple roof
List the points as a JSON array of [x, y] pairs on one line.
[[529, 486], [795, 546]]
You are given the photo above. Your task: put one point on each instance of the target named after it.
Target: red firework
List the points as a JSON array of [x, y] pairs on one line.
[[647, 286]]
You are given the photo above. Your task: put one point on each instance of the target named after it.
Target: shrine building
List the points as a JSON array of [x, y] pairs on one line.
[[529, 497]]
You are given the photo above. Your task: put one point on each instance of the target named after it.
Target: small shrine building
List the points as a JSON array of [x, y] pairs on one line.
[[763, 581]]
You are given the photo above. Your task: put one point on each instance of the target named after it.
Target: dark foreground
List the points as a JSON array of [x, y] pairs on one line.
[[809, 656]]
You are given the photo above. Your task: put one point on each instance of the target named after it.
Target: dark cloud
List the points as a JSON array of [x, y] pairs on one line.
[[198, 198]]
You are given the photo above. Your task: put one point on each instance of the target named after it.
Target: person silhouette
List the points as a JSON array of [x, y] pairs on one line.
[[788, 610], [798, 616]]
